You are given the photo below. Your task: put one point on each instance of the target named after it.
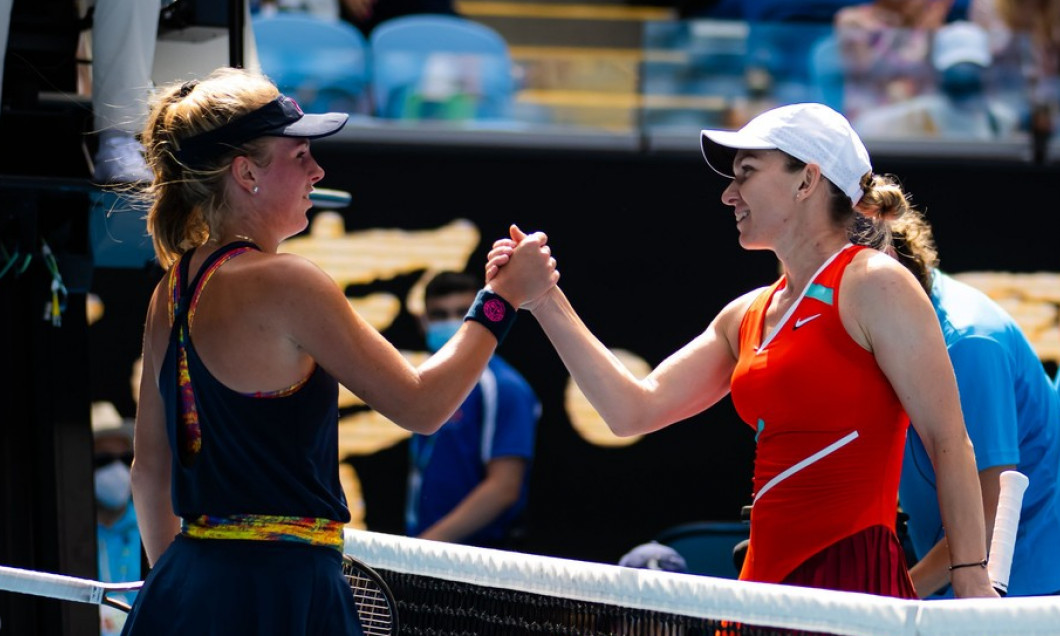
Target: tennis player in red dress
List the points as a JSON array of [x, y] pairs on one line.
[[828, 364]]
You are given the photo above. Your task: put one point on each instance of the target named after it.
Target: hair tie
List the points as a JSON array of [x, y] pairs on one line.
[[188, 87], [868, 211], [974, 564]]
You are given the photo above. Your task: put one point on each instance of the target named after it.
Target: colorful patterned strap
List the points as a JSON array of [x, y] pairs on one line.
[[181, 313], [322, 532]]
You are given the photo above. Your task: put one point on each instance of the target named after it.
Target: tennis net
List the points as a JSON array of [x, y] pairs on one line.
[[446, 589]]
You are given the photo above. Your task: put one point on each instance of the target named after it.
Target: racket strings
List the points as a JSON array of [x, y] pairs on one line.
[[375, 607]]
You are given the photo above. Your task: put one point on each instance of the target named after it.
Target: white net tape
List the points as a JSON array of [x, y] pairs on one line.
[[787, 607]]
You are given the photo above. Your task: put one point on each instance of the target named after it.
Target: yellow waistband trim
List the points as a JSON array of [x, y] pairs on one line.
[[322, 532]]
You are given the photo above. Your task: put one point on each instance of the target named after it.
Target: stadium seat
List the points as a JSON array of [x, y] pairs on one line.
[[429, 66], [322, 64], [707, 546]]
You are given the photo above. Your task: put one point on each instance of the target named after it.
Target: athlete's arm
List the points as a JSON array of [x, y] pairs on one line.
[[151, 456], [686, 383], [320, 322], [884, 309]]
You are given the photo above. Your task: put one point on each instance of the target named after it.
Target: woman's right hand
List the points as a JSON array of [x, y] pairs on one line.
[[521, 269]]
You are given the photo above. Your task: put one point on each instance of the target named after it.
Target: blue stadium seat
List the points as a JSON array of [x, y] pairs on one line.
[[432, 66], [322, 64], [707, 546]]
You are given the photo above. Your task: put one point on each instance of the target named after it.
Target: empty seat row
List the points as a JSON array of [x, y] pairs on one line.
[[423, 66]]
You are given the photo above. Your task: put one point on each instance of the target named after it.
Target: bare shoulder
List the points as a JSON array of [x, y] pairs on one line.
[[738, 306], [286, 277], [158, 307], [872, 273], [275, 291], [156, 329], [291, 267], [727, 322], [879, 296]]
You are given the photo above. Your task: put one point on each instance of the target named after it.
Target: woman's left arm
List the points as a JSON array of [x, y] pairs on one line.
[[152, 464], [886, 310]]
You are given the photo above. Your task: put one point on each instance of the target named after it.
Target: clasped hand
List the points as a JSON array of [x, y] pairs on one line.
[[521, 268]]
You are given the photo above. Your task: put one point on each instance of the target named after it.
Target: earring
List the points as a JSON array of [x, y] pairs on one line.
[[255, 190]]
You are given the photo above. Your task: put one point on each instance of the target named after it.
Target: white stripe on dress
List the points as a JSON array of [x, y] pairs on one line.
[[821, 454]]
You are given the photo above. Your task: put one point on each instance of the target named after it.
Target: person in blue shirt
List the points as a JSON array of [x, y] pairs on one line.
[[468, 482], [1012, 414], [117, 535]]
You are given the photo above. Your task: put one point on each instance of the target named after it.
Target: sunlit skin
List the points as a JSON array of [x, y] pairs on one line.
[[277, 209], [762, 196]]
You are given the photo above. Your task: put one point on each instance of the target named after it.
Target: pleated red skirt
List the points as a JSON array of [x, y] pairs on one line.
[[871, 561]]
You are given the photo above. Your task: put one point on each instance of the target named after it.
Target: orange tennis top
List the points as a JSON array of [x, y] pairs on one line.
[[830, 429]]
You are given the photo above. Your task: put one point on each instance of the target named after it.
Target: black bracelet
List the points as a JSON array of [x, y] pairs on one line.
[[981, 564], [493, 312]]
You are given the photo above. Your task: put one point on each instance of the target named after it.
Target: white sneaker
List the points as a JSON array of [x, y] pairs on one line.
[[120, 159]]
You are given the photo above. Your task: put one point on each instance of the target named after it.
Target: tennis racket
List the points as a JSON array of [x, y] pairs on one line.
[[1006, 523], [376, 607], [67, 588]]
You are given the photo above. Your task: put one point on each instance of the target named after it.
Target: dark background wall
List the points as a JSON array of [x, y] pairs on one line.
[[648, 255]]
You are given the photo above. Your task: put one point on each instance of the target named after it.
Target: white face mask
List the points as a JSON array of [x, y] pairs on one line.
[[113, 485]]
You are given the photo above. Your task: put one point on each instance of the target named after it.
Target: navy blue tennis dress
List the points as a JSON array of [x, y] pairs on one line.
[[255, 482]]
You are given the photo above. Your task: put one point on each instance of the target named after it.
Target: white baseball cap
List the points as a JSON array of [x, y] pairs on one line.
[[810, 132], [958, 42]]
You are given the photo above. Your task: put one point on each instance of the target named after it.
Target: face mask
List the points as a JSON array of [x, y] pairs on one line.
[[439, 333], [113, 485], [963, 82]]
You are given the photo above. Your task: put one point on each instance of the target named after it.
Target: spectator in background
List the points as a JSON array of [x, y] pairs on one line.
[[654, 556], [468, 482], [884, 48], [961, 107], [1040, 21], [117, 535], [1012, 415]]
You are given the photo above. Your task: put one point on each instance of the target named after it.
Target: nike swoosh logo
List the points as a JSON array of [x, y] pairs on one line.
[[802, 321]]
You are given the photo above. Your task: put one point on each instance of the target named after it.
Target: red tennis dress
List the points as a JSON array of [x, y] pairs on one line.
[[830, 434]]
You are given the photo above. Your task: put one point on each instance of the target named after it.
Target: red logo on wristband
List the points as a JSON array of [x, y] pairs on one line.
[[494, 309]]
